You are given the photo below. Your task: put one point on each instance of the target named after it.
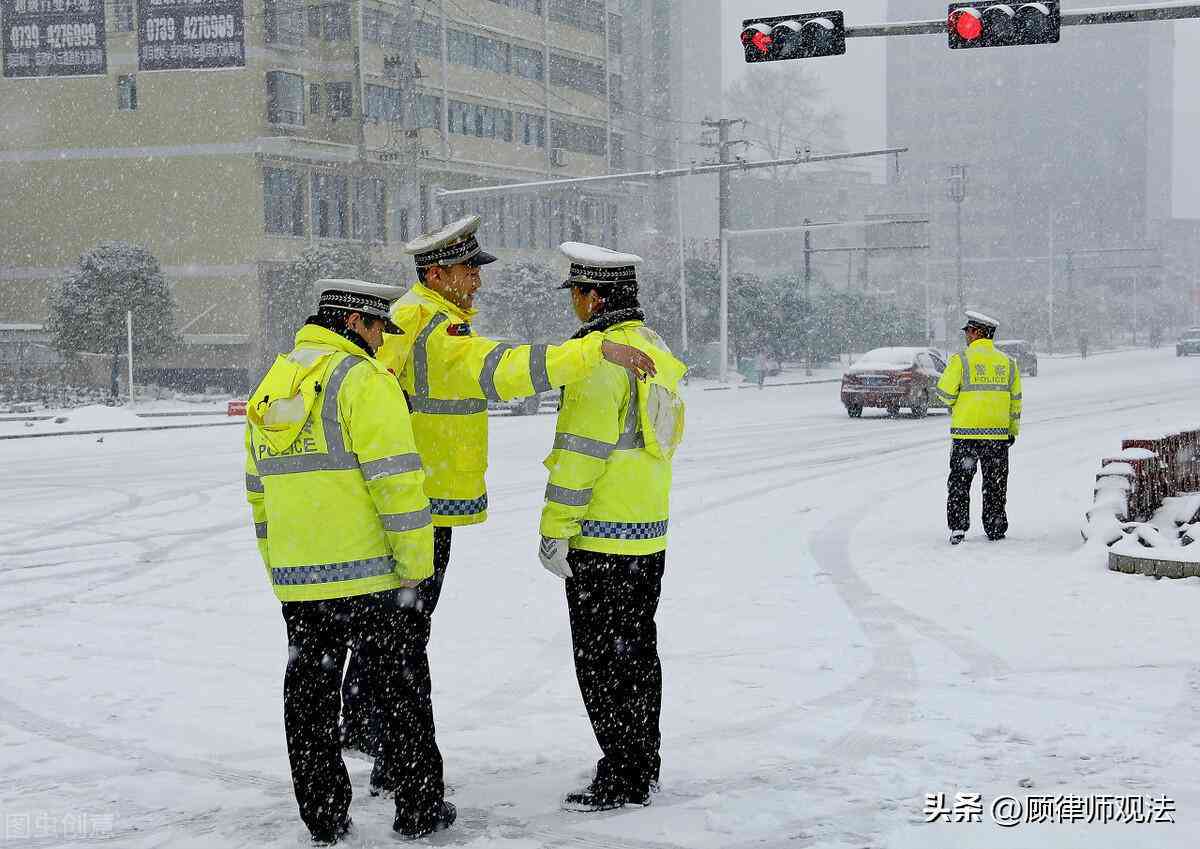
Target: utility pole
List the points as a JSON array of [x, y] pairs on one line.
[[808, 354], [683, 317], [724, 218], [956, 187], [1050, 293], [724, 205]]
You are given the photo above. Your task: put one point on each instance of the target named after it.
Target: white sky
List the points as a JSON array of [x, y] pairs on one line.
[[857, 81]]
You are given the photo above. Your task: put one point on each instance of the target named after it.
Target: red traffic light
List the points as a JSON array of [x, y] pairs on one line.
[[977, 23], [966, 24], [757, 37]]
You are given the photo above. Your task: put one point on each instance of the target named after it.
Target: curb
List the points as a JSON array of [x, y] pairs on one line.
[[1131, 565], [117, 430]]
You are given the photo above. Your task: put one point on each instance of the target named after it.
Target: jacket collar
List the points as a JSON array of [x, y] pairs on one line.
[[983, 343], [609, 320], [311, 334], [441, 304]]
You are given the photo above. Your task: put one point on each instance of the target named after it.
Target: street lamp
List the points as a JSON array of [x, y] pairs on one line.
[[956, 190]]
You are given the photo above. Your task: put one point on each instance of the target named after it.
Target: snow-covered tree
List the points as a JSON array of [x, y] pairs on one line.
[[522, 302], [87, 309]]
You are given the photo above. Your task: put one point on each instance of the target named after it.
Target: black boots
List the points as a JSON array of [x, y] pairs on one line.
[[601, 796], [442, 818]]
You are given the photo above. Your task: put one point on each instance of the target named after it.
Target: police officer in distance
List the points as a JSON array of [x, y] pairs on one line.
[[336, 490], [449, 373], [604, 526], [982, 388]]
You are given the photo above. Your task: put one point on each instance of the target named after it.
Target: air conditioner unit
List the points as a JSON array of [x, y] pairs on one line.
[[558, 157]]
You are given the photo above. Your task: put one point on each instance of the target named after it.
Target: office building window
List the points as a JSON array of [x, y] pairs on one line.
[[314, 98], [587, 15], [580, 138], [429, 111], [314, 21], [473, 119], [284, 22], [618, 150], [534, 7], [126, 93], [283, 202], [428, 36], [614, 92], [577, 74], [530, 64], [383, 103], [616, 37], [335, 21], [285, 98], [340, 97], [124, 16], [477, 51], [330, 206], [531, 129], [370, 209]]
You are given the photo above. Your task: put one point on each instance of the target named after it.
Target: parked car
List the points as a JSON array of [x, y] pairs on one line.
[[892, 378], [1189, 343], [1023, 353]]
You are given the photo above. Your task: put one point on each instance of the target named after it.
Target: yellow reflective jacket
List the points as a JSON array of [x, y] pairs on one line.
[[449, 373], [982, 387], [333, 477], [610, 469]]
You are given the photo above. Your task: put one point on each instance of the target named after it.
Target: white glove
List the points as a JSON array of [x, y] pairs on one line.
[[553, 554]]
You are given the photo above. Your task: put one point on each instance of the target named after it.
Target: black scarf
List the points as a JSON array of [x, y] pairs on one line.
[[340, 330], [606, 320]]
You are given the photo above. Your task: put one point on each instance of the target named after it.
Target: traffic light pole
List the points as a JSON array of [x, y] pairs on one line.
[[1124, 14]]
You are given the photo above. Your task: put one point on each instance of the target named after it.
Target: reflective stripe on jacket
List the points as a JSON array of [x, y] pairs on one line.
[[333, 476], [982, 387], [449, 373], [606, 492]]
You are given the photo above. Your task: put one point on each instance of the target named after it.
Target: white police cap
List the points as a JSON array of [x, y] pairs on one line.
[[454, 244], [597, 266], [373, 299], [979, 321]]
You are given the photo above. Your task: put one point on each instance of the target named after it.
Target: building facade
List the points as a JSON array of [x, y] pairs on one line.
[[343, 122], [1074, 139]]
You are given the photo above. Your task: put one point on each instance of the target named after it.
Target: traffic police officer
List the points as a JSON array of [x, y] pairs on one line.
[[604, 526], [982, 387], [449, 373], [337, 494]]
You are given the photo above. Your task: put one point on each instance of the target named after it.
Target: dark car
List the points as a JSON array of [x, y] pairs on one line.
[[1023, 353], [892, 378], [1189, 343]]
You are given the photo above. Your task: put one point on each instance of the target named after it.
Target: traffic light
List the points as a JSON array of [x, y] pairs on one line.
[[803, 36], [1003, 24]]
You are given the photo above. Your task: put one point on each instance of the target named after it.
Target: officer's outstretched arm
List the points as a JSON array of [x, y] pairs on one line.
[[478, 367], [380, 435], [258, 502], [1014, 404], [951, 381], [589, 425]]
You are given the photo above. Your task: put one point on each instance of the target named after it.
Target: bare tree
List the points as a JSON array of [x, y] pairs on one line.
[[786, 109]]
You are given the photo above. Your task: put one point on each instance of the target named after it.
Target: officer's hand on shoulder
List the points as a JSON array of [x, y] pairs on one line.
[[629, 357], [553, 554]]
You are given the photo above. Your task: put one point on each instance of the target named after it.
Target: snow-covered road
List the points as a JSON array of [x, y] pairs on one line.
[[828, 659]]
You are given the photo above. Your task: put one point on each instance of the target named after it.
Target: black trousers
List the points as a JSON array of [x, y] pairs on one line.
[[965, 457], [366, 712], [381, 627], [612, 600]]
